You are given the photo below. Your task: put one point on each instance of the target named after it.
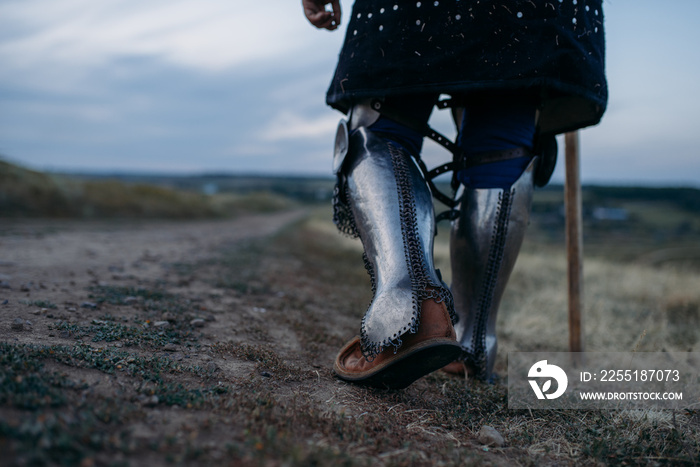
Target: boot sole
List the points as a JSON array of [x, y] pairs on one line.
[[407, 367]]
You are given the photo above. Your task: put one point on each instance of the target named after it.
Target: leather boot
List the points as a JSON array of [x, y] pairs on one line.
[[419, 354]]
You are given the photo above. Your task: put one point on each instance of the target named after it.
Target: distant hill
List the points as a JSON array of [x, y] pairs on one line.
[[301, 188], [28, 193]]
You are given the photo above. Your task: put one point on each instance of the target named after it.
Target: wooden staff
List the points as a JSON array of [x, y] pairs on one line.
[[574, 241]]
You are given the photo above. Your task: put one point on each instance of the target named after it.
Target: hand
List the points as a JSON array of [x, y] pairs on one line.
[[316, 13]]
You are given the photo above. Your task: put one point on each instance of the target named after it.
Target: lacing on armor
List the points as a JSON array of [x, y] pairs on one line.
[[422, 285], [477, 357]]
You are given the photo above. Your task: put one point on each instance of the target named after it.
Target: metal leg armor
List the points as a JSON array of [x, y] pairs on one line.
[[391, 209], [484, 244]]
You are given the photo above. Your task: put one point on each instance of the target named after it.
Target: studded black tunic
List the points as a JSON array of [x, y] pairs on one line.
[[552, 50]]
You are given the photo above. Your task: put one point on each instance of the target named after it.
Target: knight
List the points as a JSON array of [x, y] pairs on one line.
[[515, 74]]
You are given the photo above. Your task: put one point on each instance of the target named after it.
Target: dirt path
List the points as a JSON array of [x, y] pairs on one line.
[[55, 262], [197, 343], [48, 252], [211, 343]]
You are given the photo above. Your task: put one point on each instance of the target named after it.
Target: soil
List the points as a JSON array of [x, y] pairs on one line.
[[215, 302], [58, 262], [211, 343]]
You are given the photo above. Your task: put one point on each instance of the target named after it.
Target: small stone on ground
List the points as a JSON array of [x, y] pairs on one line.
[[490, 437]]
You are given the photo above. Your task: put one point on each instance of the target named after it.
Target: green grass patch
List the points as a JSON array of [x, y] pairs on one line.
[[63, 422], [40, 304], [155, 301], [23, 382], [143, 334]]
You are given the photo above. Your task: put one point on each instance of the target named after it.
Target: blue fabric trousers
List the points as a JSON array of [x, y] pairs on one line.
[[487, 126]]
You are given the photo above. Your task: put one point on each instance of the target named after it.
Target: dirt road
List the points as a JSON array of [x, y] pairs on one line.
[[211, 343], [191, 342], [55, 262], [47, 252]]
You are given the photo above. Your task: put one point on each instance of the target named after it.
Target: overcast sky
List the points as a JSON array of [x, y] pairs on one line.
[[191, 86]]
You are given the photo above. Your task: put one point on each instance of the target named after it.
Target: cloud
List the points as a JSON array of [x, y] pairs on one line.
[[291, 125], [207, 35], [233, 85]]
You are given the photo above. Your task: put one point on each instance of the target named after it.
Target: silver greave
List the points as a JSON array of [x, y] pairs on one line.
[[388, 204], [484, 244]]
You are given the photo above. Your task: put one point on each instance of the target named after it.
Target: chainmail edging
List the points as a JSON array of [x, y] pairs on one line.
[[478, 358], [422, 286], [343, 217]]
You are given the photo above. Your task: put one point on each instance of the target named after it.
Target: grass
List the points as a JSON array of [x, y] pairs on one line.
[[63, 421], [40, 304], [28, 193], [444, 416], [151, 300], [141, 335], [265, 394]]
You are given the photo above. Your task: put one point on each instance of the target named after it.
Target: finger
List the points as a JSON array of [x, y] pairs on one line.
[[336, 12], [324, 20], [320, 18], [330, 24]]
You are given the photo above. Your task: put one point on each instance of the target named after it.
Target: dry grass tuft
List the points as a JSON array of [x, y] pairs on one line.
[[28, 193]]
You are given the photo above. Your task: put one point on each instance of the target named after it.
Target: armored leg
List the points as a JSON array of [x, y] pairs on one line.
[[406, 331], [484, 244]]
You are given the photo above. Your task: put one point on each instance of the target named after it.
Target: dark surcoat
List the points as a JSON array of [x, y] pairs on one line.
[[552, 51]]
